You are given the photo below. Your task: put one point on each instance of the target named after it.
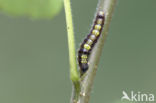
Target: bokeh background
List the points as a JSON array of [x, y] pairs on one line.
[[34, 65]]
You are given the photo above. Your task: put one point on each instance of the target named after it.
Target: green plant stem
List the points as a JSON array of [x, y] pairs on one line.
[[86, 84], [74, 75]]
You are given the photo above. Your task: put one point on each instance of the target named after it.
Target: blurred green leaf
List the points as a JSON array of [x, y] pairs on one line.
[[31, 8]]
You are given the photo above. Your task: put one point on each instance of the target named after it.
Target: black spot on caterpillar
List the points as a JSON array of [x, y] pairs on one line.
[[89, 42]]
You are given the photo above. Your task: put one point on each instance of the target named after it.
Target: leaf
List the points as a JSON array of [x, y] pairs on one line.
[[31, 8]]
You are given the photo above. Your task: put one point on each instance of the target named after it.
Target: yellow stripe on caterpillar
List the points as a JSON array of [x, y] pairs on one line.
[[99, 21], [83, 56], [86, 46], [101, 13], [83, 61], [90, 42], [95, 32], [97, 27], [92, 37]]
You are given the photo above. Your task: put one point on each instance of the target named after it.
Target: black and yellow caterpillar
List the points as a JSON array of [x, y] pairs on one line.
[[89, 42]]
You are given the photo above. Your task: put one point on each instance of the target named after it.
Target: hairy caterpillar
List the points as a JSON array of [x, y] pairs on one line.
[[89, 42]]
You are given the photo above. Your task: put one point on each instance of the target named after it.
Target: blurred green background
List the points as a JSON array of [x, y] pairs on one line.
[[34, 64]]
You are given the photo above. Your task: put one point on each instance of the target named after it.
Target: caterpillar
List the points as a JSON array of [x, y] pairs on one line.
[[89, 42]]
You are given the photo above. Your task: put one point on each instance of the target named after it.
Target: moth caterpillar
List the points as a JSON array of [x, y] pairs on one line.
[[89, 42]]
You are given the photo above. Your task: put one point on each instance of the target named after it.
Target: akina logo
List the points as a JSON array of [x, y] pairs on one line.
[[138, 97]]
